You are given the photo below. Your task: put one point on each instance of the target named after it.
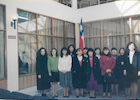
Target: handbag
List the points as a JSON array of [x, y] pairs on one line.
[[109, 77]]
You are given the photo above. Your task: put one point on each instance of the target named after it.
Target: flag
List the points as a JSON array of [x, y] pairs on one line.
[[81, 40]]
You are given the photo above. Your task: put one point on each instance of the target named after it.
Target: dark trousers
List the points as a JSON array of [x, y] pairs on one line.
[[105, 85]]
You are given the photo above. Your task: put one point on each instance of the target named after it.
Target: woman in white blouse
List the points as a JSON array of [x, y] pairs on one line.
[[132, 67], [64, 67]]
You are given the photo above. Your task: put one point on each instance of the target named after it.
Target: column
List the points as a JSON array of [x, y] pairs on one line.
[[74, 4]]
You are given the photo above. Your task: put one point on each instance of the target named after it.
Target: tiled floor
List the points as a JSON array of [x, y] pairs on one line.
[[33, 91]]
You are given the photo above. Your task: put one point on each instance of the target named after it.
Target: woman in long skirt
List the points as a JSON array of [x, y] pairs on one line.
[[43, 81], [92, 84]]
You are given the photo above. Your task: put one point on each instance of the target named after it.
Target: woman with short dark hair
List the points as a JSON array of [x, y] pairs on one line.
[[107, 63]]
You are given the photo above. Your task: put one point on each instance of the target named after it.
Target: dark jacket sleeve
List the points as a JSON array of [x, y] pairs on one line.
[[38, 70], [139, 61]]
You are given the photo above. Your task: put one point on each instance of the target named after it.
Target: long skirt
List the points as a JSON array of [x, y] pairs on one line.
[[65, 79], [92, 84]]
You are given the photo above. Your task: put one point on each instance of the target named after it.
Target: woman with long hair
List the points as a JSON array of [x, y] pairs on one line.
[[132, 67], [64, 67], [53, 70], [43, 82]]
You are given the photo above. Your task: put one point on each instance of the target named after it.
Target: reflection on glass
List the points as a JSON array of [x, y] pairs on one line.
[[27, 53], [69, 29], [136, 40], [118, 26], [58, 27], [92, 29], [2, 56], [2, 18], [70, 41], [26, 22], [116, 41], [45, 42], [93, 42], [59, 44], [136, 24], [44, 25]]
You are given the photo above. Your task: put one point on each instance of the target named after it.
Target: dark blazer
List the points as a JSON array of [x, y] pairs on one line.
[[132, 70], [41, 69], [78, 77], [95, 68], [115, 70]]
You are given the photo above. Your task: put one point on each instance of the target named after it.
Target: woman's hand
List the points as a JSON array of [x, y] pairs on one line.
[[39, 76], [138, 73], [108, 70], [124, 72], [122, 63], [50, 74]]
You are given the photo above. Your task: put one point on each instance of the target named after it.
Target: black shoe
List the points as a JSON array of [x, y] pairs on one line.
[[77, 96], [90, 97], [52, 96], [56, 95], [67, 96], [94, 97], [44, 95], [83, 95], [64, 96]]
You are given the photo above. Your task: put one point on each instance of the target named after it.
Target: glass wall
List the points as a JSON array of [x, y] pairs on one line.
[[112, 33], [42, 31], [2, 42]]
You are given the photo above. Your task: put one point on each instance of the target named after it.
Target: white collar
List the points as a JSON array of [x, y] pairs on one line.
[[79, 58]]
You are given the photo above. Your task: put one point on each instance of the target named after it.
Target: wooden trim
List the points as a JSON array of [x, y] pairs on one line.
[[65, 42], [37, 31], [2, 30], [2, 5], [116, 34], [138, 33], [74, 36], [44, 15], [52, 34], [131, 38], [92, 36], [27, 74], [27, 33], [102, 32], [111, 19]]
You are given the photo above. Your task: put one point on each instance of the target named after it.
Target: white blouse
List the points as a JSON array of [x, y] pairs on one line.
[[80, 58], [65, 63], [98, 56], [131, 54]]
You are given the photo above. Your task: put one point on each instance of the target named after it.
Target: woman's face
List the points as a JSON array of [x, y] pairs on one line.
[[79, 52], [121, 52], [71, 49], [90, 53], [85, 51], [64, 52], [114, 52], [42, 52], [97, 51], [54, 52], [131, 47], [106, 52]]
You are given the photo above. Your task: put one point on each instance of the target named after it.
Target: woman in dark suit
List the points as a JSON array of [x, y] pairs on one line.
[[132, 67], [123, 82], [92, 73], [43, 82], [78, 70]]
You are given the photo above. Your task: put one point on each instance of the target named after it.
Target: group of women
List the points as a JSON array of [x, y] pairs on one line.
[[87, 72]]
